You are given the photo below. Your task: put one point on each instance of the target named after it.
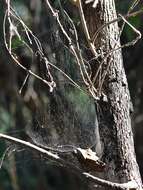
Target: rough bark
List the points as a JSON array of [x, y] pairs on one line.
[[115, 122]]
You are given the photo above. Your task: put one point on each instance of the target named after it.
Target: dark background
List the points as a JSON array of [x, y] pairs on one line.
[[66, 106]]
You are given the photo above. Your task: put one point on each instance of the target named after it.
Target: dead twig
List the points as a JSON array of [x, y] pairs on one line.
[[83, 71], [125, 186]]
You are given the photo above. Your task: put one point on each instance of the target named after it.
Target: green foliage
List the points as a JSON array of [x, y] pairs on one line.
[[16, 43], [128, 31], [123, 7]]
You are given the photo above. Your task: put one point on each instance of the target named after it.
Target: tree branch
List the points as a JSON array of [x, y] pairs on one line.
[[31, 146], [131, 185]]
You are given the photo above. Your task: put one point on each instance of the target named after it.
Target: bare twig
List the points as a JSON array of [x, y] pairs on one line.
[[4, 155], [23, 84], [131, 43], [125, 186], [91, 41], [39, 47], [113, 21], [31, 146], [50, 84], [131, 185], [86, 32], [79, 59]]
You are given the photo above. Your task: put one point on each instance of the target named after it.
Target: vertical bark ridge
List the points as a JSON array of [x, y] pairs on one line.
[[115, 123]]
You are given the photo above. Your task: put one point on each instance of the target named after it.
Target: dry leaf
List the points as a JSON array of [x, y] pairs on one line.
[[89, 160]]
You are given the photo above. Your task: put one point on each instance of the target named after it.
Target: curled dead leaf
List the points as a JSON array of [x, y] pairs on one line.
[[89, 160]]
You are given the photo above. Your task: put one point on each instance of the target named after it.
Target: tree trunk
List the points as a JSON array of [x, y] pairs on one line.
[[114, 117]]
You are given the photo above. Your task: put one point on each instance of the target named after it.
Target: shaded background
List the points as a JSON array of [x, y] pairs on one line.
[[53, 119]]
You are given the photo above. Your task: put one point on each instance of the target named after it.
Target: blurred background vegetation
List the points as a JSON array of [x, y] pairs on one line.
[[59, 115]]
